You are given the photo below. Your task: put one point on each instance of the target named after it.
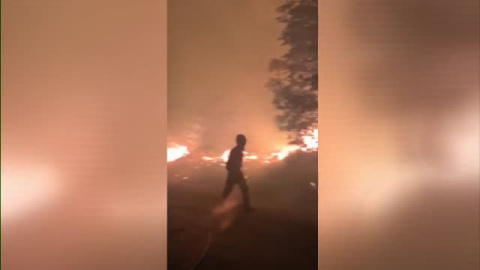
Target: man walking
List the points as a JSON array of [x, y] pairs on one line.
[[235, 174]]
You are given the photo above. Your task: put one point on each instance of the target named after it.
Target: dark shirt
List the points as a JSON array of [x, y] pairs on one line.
[[234, 163]]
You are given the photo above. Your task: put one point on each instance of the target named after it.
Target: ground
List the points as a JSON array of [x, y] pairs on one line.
[[206, 233]]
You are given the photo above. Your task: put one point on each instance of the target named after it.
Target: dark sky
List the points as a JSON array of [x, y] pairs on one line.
[[218, 57]]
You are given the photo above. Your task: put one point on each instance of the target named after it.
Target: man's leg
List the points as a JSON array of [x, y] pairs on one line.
[[246, 194], [228, 188]]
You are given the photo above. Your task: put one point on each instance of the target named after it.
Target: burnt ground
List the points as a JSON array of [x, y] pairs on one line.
[[204, 233]]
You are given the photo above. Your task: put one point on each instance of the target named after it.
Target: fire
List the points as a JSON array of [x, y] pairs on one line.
[[310, 139], [309, 144], [225, 156], [208, 158], [177, 152], [251, 157], [287, 150]]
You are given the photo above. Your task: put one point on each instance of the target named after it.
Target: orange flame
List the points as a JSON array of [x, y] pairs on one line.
[[251, 156], [310, 139], [176, 152], [225, 155], [309, 143]]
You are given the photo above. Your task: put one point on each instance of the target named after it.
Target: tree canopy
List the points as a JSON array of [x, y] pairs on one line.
[[295, 84]]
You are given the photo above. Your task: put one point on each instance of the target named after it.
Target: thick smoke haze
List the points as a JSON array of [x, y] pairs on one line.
[[83, 134], [84, 125], [399, 118], [218, 57]]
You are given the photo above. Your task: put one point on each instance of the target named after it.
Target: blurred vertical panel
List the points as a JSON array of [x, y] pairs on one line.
[[83, 134], [399, 134]]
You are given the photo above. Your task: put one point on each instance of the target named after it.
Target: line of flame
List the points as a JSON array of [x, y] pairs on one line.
[[309, 139]]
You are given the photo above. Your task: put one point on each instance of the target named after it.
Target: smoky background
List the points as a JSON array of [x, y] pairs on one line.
[[399, 134], [83, 134], [218, 59], [83, 113]]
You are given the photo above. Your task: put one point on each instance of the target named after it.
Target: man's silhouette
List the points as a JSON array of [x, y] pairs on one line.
[[235, 174]]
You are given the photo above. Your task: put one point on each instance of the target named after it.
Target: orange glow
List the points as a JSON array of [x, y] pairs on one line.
[[251, 157], [310, 139], [26, 189], [309, 144], [177, 152], [225, 155], [286, 151]]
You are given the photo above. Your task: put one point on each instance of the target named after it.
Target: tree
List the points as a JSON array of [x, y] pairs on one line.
[[295, 84]]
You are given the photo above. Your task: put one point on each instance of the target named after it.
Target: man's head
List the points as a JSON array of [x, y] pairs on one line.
[[241, 140]]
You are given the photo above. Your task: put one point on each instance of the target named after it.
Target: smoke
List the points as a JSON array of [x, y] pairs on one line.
[[218, 70], [83, 134], [399, 126]]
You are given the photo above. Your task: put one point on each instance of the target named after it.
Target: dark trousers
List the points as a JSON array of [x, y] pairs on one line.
[[234, 178]]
